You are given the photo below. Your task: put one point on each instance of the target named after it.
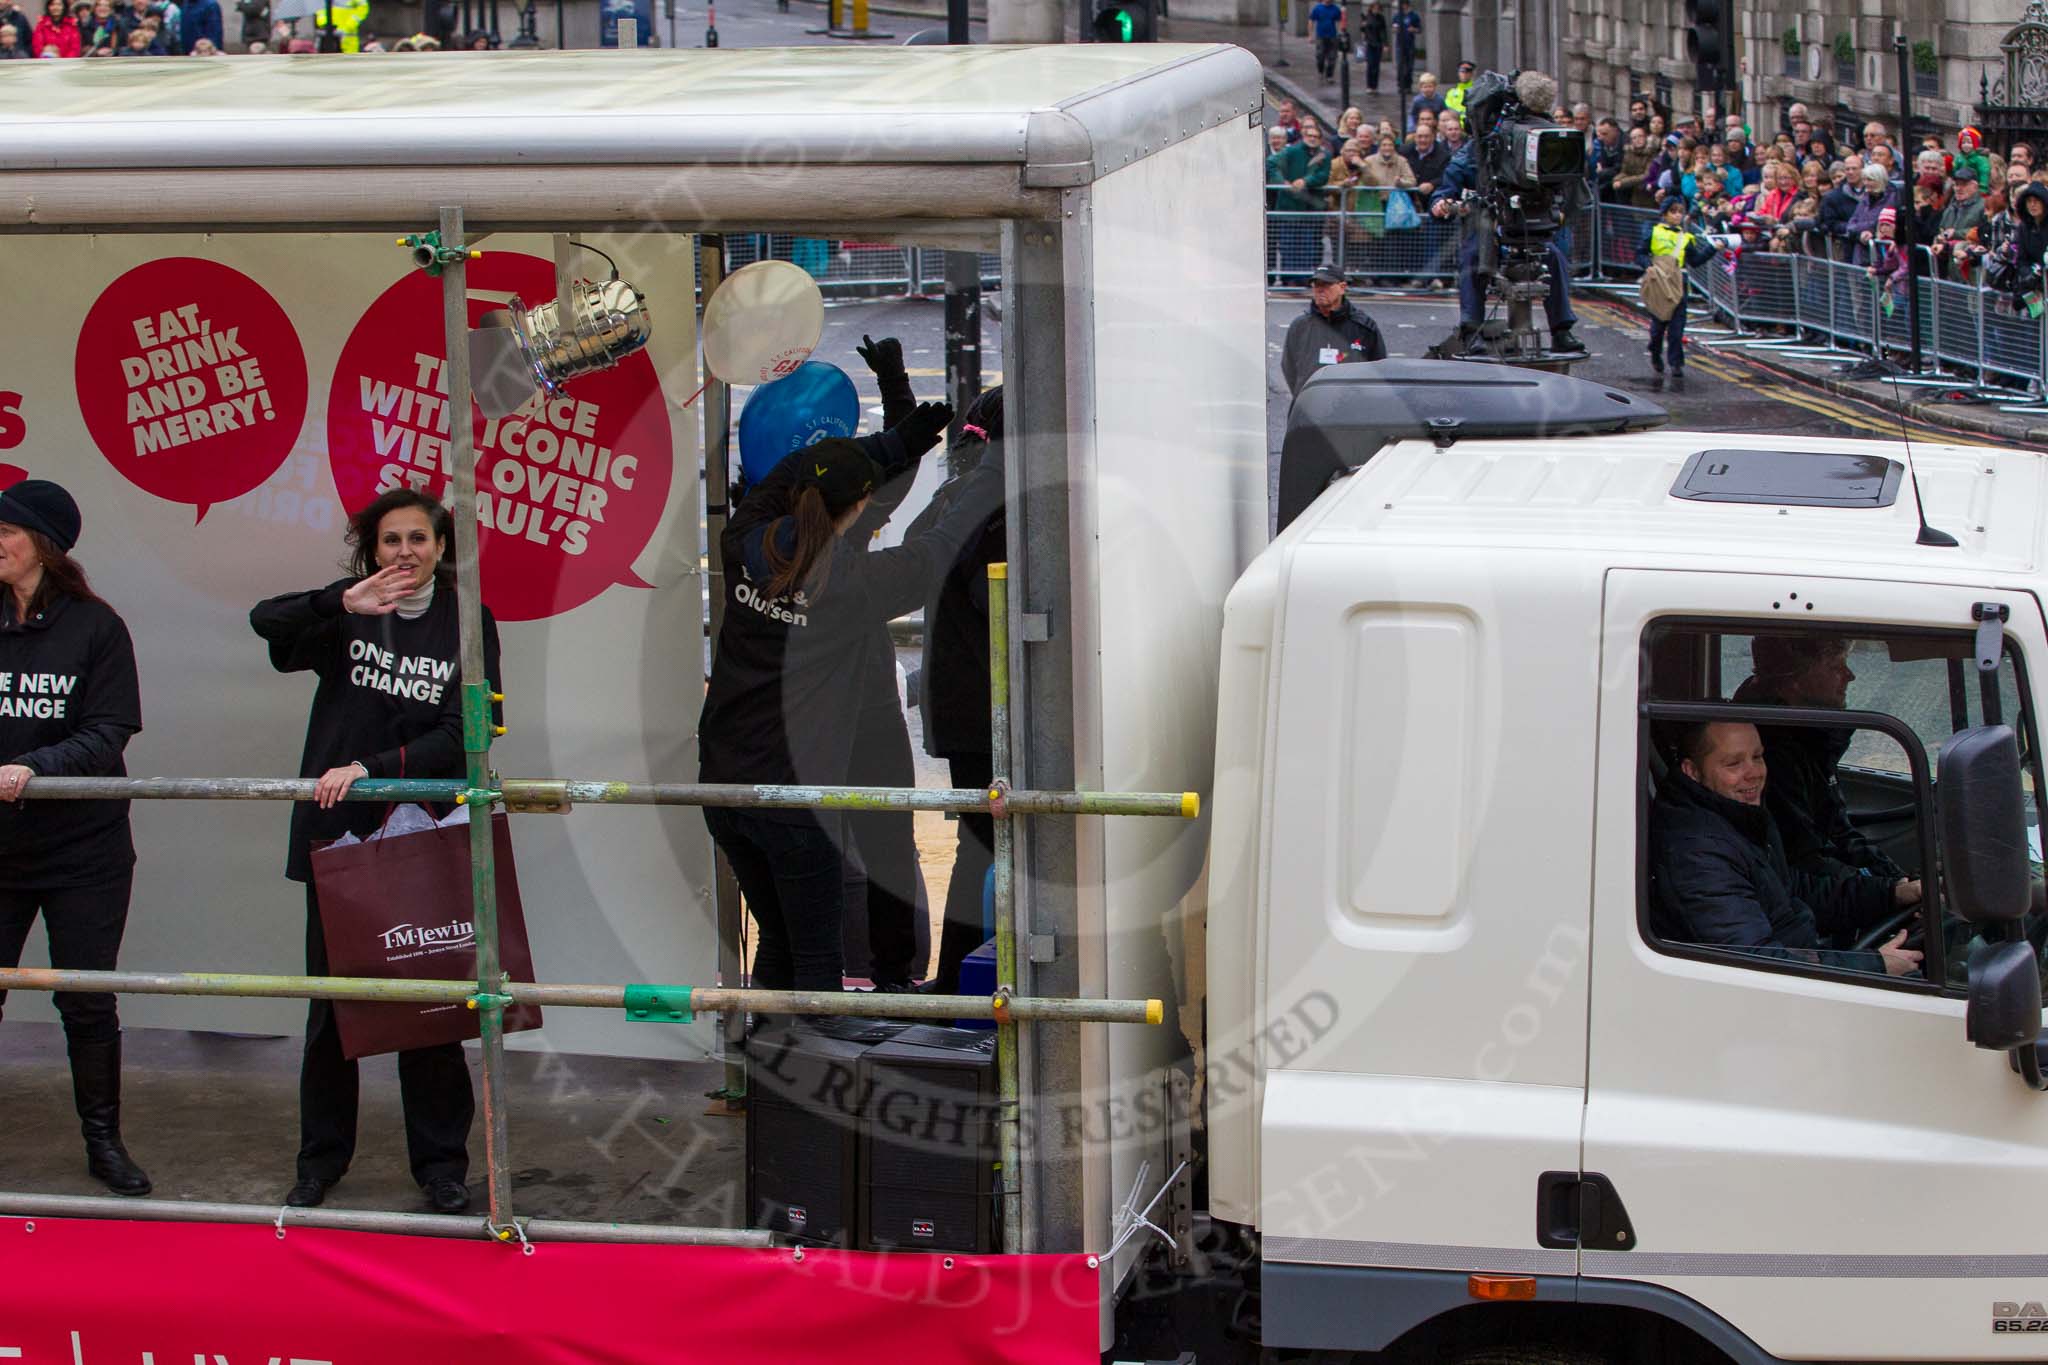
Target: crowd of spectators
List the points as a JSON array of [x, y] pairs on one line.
[[1981, 217], [1979, 214], [111, 28], [194, 28]]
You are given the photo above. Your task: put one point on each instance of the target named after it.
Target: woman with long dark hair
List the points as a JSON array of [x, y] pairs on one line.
[[68, 703], [955, 696], [386, 647], [804, 603]]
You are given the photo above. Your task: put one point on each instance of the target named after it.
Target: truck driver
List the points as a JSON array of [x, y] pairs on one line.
[[1804, 797], [1722, 877]]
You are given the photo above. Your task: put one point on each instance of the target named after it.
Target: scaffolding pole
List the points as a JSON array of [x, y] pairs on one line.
[[367, 1220], [654, 1003], [557, 795], [1010, 1124], [477, 719]]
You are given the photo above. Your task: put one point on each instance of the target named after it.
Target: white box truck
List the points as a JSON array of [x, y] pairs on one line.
[[1498, 1100], [1442, 1081]]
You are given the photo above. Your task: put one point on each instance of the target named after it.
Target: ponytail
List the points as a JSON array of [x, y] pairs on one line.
[[812, 551]]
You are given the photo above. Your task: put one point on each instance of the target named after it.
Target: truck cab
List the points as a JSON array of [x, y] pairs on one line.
[[1503, 1095]]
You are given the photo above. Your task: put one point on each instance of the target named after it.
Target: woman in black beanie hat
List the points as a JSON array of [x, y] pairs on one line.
[[68, 703]]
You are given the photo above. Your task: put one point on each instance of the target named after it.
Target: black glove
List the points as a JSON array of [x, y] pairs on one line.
[[884, 357], [923, 428]]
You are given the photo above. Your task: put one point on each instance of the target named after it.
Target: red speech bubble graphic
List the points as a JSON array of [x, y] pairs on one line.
[[10, 475], [568, 490], [13, 426], [191, 380]]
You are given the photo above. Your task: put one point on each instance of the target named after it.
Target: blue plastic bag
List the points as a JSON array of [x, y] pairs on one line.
[[1401, 213]]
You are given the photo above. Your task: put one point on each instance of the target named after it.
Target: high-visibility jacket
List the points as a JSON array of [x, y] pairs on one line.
[[345, 17], [1454, 99]]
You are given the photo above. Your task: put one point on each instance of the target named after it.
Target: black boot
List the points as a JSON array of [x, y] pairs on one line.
[[96, 1086]]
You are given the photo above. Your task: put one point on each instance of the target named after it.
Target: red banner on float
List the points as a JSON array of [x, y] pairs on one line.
[[90, 1292]]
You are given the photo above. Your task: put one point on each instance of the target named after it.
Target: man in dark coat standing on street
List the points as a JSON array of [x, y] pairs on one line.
[[1333, 330]]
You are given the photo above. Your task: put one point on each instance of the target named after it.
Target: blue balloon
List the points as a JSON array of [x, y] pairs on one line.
[[814, 401]]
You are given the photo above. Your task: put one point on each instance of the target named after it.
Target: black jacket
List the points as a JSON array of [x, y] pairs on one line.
[[68, 703], [1373, 29], [791, 673], [1836, 206], [389, 697], [2030, 240], [1351, 335], [1805, 799], [1722, 879], [954, 702], [1429, 167]]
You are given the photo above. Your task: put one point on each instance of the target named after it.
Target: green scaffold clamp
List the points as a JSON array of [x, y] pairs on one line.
[[658, 1004], [478, 728], [429, 255]]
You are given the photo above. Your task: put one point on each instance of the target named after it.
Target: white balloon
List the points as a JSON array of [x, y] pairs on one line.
[[762, 322]]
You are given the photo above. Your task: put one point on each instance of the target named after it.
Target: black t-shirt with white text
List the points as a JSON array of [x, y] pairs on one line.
[[390, 697], [69, 701]]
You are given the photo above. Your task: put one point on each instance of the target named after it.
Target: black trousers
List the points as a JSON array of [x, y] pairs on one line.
[[791, 873], [887, 840], [433, 1086], [1669, 334], [961, 934], [1326, 57], [85, 924], [1372, 66]]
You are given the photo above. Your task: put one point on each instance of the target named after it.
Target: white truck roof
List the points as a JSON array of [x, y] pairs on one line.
[[1610, 495], [1060, 115]]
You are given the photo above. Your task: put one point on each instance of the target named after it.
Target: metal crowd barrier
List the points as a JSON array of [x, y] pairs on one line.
[[855, 269], [1975, 331]]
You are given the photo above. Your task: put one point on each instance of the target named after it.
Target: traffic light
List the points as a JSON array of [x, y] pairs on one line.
[[1708, 43], [1125, 21]]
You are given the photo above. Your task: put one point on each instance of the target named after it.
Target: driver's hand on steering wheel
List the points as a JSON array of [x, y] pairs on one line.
[[1899, 960], [1906, 891]]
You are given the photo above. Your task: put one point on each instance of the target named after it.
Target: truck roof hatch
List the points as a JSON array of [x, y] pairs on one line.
[[1790, 478], [1345, 414]]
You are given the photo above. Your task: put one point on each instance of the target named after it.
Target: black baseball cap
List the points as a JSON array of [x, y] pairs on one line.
[[836, 466], [1327, 274]]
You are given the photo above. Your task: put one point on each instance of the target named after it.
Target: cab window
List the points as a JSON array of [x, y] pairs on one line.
[[1777, 836]]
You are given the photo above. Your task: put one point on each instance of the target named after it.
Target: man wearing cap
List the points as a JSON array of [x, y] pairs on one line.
[[1334, 330], [1454, 98], [1961, 223]]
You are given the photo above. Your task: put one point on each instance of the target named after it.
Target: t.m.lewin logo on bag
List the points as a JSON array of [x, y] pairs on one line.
[[421, 938]]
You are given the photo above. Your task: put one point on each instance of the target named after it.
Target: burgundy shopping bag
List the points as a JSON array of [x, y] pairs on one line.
[[400, 907]]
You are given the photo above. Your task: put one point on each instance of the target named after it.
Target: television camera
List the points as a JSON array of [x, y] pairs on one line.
[[1531, 176]]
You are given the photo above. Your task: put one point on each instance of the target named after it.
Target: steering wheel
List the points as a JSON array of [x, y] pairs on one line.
[[1882, 931]]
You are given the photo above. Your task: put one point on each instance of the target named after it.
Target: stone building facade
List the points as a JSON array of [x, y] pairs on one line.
[[1835, 56]]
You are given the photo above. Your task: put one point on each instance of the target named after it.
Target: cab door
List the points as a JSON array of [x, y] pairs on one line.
[[1821, 1162]]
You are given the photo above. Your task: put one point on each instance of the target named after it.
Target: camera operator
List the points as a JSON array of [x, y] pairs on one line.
[[1465, 188]]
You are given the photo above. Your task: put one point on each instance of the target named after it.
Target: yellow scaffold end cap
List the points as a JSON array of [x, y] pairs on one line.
[[998, 571], [1190, 804], [1155, 1012]]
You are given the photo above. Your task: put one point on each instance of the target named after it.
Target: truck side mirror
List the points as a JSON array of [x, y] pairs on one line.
[[2005, 996], [1983, 826]]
